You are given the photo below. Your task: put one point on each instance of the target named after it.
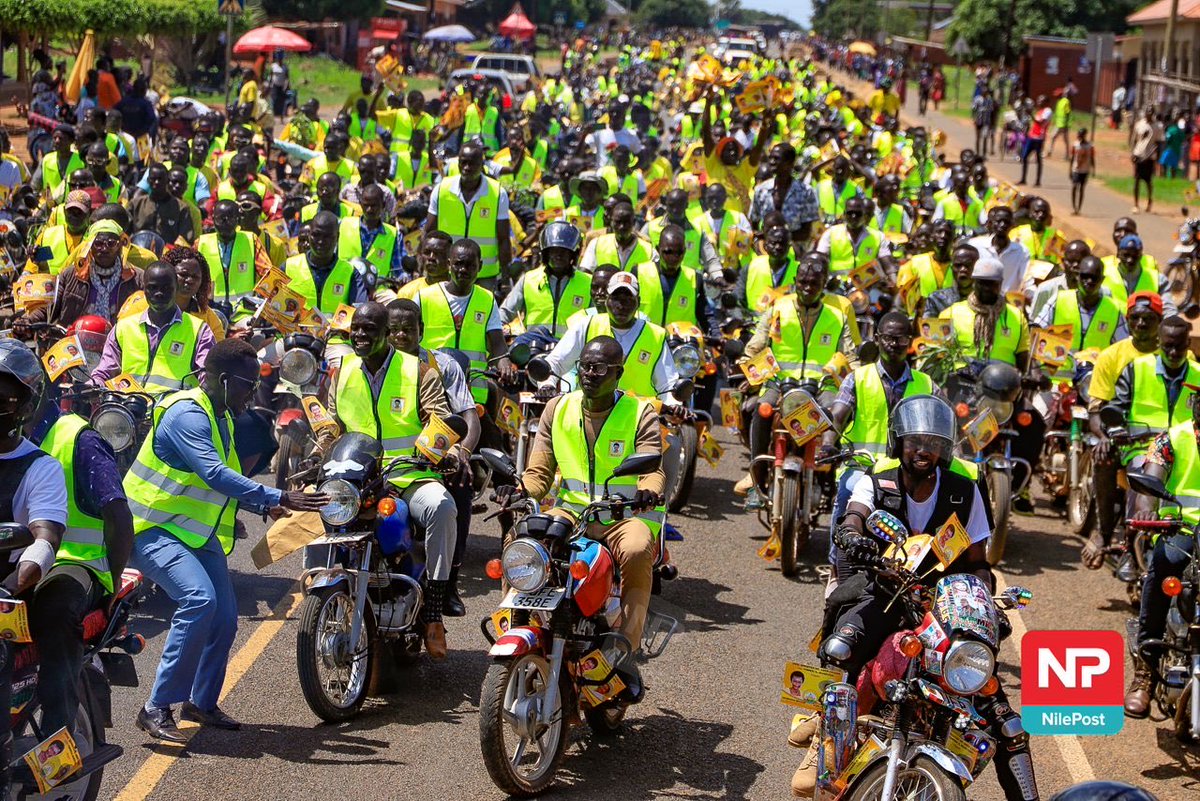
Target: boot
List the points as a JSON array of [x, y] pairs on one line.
[[435, 641], [743, 485], [1137, 697], [803, 730], [453, 606], [804, 780]]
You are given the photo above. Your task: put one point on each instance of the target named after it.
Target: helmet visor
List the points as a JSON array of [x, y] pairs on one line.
[[924, 414]]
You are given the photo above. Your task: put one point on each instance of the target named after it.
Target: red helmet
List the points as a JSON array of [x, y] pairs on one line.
[[90, 323]]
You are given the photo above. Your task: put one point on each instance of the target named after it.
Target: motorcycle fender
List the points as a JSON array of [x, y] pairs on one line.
[[328, 578], [997, 462], [793, 463], [520, 641], [287, 417], [100, 694], [946, 760]]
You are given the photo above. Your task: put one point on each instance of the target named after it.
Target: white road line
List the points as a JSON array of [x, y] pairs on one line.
[[1069, 746]]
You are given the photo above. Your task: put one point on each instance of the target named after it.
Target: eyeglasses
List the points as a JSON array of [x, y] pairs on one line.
[[253, 382], [900, 339], [594, 368]]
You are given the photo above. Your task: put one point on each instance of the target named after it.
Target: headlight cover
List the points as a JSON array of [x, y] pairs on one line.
[[298, 366], [968, 666], [526, 565], [115, 425], [1001, 410], [344, 502], [687, 359]]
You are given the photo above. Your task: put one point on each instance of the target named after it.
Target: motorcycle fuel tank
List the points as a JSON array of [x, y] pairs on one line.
[[592, 591]]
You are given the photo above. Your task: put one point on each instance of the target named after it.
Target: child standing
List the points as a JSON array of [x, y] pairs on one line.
[[1083, 157]]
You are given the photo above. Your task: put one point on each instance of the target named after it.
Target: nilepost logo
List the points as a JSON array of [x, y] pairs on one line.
[[1072, 682]]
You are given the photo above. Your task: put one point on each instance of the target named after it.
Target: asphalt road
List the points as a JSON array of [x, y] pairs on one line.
[[711, 725]]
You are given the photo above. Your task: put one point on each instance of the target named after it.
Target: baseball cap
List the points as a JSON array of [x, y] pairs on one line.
[[1130, 241], [78, 199], [988, 269], [623, 281], [1144, 300]]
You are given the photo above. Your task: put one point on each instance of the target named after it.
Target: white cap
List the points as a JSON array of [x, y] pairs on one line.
[[624, 281], [988, 269]]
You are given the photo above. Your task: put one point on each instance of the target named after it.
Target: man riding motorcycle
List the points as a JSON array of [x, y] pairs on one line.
[[917, 483], [672, 292], [230, 256], [320, 274], [854, 244], [554, 292], [584, 435], [769, 276], [621, 247]]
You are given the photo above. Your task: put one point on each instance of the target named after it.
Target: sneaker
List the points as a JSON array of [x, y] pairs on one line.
[[744, 485]]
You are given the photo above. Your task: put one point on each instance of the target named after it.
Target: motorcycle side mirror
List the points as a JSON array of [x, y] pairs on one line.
[[538, 369], [14, 537], [637, 465], [734, 349], [1153, 486], [683, 390], [457, 424], [520, 354], [868, 351], [1112, 417], [1014, 598], [501, 464]]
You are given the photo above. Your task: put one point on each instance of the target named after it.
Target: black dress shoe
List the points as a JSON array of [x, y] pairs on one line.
[[453, 605], [216, 718], [160, 724]]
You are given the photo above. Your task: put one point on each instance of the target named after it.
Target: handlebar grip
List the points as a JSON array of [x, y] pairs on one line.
[[1154, 525]]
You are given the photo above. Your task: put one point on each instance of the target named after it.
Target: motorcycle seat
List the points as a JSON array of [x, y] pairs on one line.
[[95, 623]]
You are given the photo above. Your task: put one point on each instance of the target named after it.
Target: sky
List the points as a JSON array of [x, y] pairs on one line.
[[799, 10]]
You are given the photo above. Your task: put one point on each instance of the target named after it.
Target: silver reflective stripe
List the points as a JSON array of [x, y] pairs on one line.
[[84, 536], [574, 485], [1189, 501], [166, 518], [399, 443], [873, 448], [484, 241], [163, 381], [156, 479]]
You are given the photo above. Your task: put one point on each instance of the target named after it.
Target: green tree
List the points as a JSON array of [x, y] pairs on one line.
[[987, 24], [837, 19], [674, 13]]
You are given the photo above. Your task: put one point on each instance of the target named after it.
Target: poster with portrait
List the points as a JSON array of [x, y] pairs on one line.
[[731, 409], [508, 416], [803, 685], [761, 367], [709, 448], [1051, 346], [316, 413], [62, 356], [31, 290], [342, 318], [435, 440], [806, 421], [53, 760], [595, 666], [125, 382], [950, 541], [14, 621]]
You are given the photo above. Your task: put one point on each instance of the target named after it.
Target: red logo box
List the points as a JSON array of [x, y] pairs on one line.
[[1072, 668]]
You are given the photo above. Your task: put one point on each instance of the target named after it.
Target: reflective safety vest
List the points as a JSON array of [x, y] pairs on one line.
[[392, 417], [227, 191], [469, 335], [525, 173], [552, 198], [1005, 342], [484, 127], [233, 282], [932, 275], [1114, 282], [1035, 243], [801, 356], [83, 540], [334, 292], [608, 252], [845, 256], [344, 211], [953, 211], [579, 218], [406, 176], [627, 186], [364, 130], [1100, 329], [640, 359], [55, 238], [869, 429], [314, 169], [761, 290], [542, 308], [585, 470], [680, 307], [379, 253], [833, 204], [481, 226], [893, 222], [53, 176], [169, 365], [1184, 481], [178, 501], [402, 127], [692, 237], [1150, 411]]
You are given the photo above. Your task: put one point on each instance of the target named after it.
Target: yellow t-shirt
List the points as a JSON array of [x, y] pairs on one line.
[[884, 102], [1107, 369], [411, 289], [738, 181], [248, 95]]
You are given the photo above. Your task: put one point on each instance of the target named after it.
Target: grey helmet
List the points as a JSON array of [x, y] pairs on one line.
[[922, 414], [559, 234], [17, 360]]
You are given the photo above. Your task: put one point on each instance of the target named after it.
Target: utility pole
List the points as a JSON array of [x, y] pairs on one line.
[[1012, 17], [929, 23], [1169, 46]]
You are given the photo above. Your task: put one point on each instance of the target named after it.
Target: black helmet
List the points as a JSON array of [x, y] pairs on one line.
[[1000, 381], [17, 360], [1103, 791], [559, 234], [922, 415]]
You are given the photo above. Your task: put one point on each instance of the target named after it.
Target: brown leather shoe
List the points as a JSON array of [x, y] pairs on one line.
[[1137, 697], [435, 641]]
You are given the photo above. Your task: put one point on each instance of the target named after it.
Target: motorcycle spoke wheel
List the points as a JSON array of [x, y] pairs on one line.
[[333, 675], [1081, 501], [1000, 490], [923, 780], [789, 525], [520, 752]]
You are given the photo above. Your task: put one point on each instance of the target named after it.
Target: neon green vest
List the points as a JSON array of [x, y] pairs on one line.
[[844, 256], [308, 211], [869, 429], [760, 282], [52, 176], [1184, 481], [335, 292], [627, 186], [524, 175], [406, 176], [1004, 344], [470, 336], [640, 359], [833, 206], [83, 541], [607, 252], [481, 227], [1150, 410], [691, 239], [393, 417], [242, 275], [380, 252], [541, 308], [680, 307], [952, 210], [803, 357], [1115, 283], [925, 268], [1100, 330], [168, 367], [55, 238], [178, 501]]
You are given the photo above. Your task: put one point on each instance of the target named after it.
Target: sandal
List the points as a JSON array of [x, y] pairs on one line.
[[1093, 553]]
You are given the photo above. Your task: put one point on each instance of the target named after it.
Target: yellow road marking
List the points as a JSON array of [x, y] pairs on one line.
[[155, 767], [1068, 745]]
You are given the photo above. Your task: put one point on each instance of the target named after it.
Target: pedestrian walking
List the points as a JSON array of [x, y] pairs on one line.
[[1172, 149], [1117, 107], [280, 82], [1062, 125], [983, 112], [1035, 139], [1083, 158], [938, 88], [1145, 139]]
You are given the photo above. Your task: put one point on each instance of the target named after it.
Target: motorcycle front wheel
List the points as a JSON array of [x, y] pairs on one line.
[[922, 779], [1000, 489], [789, 525], [520, 753], [287, 458], [334, 675], [1081, 501], [681, 489]]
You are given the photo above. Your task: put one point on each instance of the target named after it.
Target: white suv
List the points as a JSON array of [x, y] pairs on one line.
[[519, 68]]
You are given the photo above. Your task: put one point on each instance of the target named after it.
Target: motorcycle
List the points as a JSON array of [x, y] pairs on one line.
[[362, 608], [124, 420], [1065, 467], [1137, 539], [926, 736], [109, 648], [687, 348], [1177, 676], [293, 370], [1181, 271], [564, 596]]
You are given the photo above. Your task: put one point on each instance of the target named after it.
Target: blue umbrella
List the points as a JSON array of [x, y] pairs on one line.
[[449, 33]]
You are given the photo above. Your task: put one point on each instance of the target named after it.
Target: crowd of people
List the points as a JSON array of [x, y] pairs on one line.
[[658, 187]]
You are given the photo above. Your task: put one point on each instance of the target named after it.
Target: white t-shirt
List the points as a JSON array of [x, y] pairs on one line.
[[600, 140], [920, 512], [42, 493]]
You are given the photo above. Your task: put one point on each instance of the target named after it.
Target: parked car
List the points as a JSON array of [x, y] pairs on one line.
[[510, 94], [521, 69]]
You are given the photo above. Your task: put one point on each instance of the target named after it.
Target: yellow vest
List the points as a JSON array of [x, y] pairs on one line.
[[242, 276], [680, 307], [541, 307], [640, 359], [468, 336], [170, 365], [801, 356], [1004, 343], [481, 227], [334, 292], [83, 541]]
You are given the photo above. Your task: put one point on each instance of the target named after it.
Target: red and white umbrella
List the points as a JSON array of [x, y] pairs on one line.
[[268, 39]]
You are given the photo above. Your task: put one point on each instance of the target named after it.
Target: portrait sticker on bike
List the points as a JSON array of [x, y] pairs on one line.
[[1072, 682]]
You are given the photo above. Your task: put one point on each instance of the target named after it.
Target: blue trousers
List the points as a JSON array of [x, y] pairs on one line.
[[1169, 558], [197, 648], [845, 487]]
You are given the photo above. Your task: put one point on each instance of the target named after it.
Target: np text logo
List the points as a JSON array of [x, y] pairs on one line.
[[1072, 682]]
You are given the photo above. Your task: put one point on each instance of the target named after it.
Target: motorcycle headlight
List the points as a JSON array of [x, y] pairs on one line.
[[526, 565], [968, 666], [1002, 410], [344, 501], [1187, 234], [115, 425], [298, 367], [687, 359]]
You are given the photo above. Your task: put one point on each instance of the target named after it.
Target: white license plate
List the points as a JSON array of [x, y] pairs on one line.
[[545, 599]]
